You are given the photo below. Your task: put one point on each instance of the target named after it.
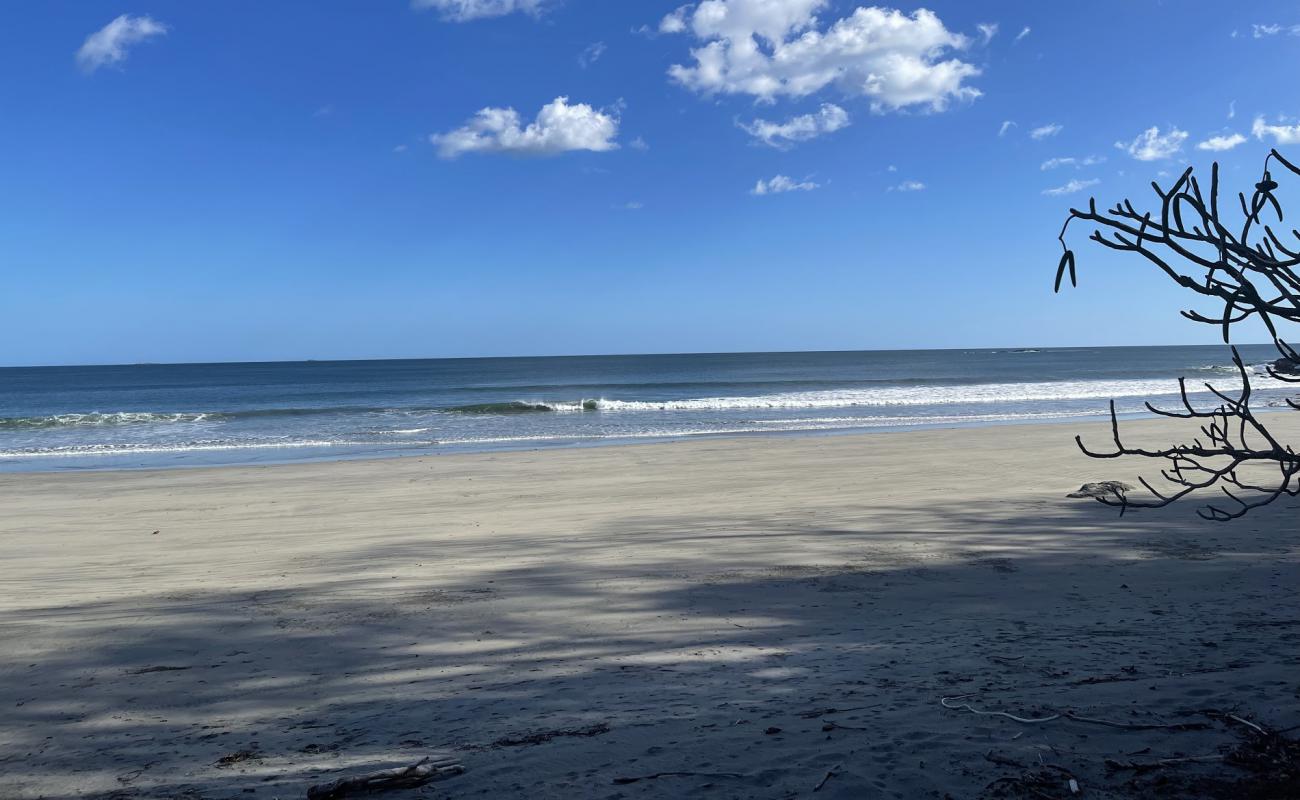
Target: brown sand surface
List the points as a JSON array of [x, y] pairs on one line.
[[560, 619]]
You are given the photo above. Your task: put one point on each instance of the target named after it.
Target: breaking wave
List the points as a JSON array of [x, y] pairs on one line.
[[522, 407]]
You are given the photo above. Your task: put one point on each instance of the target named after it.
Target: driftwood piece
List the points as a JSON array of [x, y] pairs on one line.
[[1147, 766], [409, 777], [1102, 490], [541, 737]]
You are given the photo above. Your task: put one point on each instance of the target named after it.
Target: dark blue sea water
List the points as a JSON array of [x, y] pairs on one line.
[[54, 418]]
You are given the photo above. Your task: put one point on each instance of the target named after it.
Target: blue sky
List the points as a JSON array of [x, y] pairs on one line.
[[196, 181]]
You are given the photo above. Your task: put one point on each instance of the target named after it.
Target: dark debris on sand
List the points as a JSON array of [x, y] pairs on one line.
[[1260, 765]]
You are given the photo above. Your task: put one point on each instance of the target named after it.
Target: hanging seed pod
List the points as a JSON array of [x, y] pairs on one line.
[[1067, 261]]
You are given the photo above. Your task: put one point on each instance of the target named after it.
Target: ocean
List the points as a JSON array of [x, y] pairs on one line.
[[163, 415]]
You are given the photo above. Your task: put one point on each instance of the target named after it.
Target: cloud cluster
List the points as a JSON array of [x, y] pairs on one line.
[[558, 128], [1152, 145], [908, 186], [782, 135], [466, 10], [770, 49], [110, 44], [781, 183]]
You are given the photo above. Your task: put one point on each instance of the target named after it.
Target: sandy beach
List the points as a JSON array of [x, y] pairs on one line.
[[756, 617]]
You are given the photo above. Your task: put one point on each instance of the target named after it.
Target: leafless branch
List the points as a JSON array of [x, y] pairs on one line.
[[1249, 272]]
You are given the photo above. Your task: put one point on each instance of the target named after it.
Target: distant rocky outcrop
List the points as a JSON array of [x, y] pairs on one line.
[[1286, 366]]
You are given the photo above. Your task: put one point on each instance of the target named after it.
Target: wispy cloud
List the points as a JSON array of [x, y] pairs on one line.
[[111, 44], [591, 54], [1071, 187], [558, 128], [1259, 31], [781, 183], [1023, 33], [1232, 109], [782, 135], [908, 186], [987, 31], [466, 10], [1070, 161], [1006, 126], [1152, 145], [1281, 134], [1044, 131], [1225, 141]]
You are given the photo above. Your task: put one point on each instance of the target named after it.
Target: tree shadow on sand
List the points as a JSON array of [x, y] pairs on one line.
[[798, 655]]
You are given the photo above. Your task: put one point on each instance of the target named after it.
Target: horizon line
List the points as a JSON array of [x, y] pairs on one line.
[[614, 355]]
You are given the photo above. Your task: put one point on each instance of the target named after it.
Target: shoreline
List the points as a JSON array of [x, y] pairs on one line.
[[533, 446], [559, 619]]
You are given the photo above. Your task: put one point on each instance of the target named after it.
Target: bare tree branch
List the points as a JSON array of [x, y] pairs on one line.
[[1251, 274]]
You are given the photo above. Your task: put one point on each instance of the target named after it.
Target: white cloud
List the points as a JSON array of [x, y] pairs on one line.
[[638, 144], [1282, 134], [1152, 145], [1232, 109], [633, 205], [465, 10], [1219, 143], [781, 183], [1261, 31], [1044, 131], [987, 31], [559, 128], [110, 44], [1006, 126], [1071, 187], [1070, 161], [773, 48], [828, 119], [591, 54], [675, 22], [908, 186], [1023, 33]]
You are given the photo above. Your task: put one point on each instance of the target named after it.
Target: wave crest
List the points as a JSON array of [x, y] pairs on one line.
[[101, 419]]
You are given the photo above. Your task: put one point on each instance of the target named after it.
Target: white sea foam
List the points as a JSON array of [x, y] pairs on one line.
[[100, 419], [927, 395], [188, 447]]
